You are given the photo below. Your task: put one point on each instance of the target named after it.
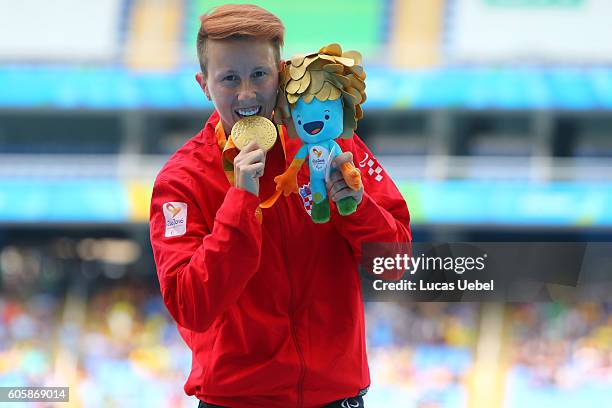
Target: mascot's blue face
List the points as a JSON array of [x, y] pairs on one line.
[[318, 121]]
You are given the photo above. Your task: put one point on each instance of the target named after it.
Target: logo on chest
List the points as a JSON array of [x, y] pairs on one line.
[[318, 157]]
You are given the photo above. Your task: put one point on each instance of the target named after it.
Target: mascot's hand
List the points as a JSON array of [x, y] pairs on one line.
[[338, 186], [351, 175], [287, 183]]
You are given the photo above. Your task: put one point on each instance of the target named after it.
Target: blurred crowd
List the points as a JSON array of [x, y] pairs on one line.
[[118, 349], [561, 354], [117, 346], [420, 353], [27, 336]]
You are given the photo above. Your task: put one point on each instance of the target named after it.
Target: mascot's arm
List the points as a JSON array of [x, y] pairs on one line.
[[351, 175], [287, 182]]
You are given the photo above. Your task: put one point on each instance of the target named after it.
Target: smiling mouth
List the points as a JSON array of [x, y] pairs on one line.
[[246, 112], [313, 127]]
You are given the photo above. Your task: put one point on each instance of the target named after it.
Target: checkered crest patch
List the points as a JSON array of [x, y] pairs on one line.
[[370, 164], [306, 196]]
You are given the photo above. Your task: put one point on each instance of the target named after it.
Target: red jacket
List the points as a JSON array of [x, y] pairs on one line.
[[272, 312]]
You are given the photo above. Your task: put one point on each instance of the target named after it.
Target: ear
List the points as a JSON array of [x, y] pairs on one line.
[[199, 77], [281, 66]]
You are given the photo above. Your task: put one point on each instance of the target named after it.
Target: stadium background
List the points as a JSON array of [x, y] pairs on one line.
[[492, 116]]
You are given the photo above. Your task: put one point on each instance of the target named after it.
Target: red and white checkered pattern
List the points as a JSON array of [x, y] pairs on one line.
[[373, 167], [306, 196], [307, 203]]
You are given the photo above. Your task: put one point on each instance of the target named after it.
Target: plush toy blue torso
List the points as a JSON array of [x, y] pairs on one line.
[[318, 123]]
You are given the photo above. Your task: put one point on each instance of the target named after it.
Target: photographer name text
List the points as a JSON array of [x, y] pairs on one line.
[[406, 285]]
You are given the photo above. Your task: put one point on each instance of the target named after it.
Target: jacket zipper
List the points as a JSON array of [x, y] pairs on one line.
[[302, 365], [300, 384]]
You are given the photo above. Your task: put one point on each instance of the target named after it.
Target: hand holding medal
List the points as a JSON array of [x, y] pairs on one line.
[[252, 136]]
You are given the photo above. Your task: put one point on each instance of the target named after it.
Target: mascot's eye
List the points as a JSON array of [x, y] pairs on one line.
[[326, 117], [299, 122]]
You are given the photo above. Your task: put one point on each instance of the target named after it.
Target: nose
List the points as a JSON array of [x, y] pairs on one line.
[[246, 91]]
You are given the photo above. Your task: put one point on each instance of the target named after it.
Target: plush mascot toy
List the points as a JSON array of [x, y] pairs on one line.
[[324, 91]]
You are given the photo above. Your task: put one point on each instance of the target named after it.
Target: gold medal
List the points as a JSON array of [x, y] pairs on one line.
[[255, 128]]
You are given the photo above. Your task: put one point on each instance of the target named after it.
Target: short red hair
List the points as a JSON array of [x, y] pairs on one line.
[[235, 21]]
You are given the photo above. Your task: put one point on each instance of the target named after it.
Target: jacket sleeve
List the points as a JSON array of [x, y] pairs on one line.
[[382, 215], [201, 272]]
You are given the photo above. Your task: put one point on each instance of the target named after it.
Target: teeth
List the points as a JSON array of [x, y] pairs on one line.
[[247, 112]]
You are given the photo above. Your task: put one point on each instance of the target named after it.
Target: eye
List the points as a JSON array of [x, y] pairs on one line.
[[299, 122], [230, 78], [326, 117], [259, 74]]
